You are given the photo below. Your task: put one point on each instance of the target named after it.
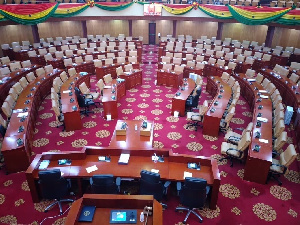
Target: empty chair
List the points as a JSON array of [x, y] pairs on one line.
[[212, 60], [53, 186], [88, 58], [178, 69], [69, 53], [294, 77], [221, 62], [107, 79], [7, 110], [229, 56], [80, 52], [167, 66], [120, 60], [150, 184], [234, 137], [128, 67], [240, 58], [12, 92], [42, 51], [197, 118], [15, 66], [23, 82], [193, 195], [133, 53], [32, 53], [63, 76], [30, 77], [265, 82], [100, 84], [249, 60], [108, 61], [119, 70], [279, 128], [48, 69], [191, 63], [3, 122], [231, 65], [26, 64], [48, 57], [68, 62], [280, 166], [105, 184], [78, 60], [18, 88], [59, 54], [57, 84], [259, 78], [258, 55], [177, 61], [225, 76], [86, 91], [72, 72], [11, 102], [233, 151], [4, 71], [250, 73]]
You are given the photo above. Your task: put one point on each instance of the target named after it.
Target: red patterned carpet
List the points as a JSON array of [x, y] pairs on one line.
[[240, 202]]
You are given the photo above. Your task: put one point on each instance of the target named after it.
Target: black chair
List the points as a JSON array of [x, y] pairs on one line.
[[84, 102], [192, 102], [193, 195], [150, 184], [53, 186], [105, 184]]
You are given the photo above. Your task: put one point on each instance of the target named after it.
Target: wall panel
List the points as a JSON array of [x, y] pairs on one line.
[[141, 28], [112, 27], [197, 29], [11, 33], [60, 29], [164, 27], [286, 37], [238, 31]]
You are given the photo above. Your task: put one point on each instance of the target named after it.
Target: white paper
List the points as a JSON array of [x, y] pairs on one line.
[[262, 119], [44, 164], [22, 114], [124, 158], [91, 169], [262, 91], [67, 91], [264, 141], [176, 113], [107, 86], [154, 171], [17, 110], [101, 158], [264, 96], [187, 174]]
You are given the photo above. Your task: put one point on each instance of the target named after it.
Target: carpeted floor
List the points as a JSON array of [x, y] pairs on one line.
[[240, 202]]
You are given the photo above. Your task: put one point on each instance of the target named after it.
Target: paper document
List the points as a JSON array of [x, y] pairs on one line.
[[154, 171], [187, 174], [264, 96], [22, 114], [262, 119], [264, 141], [91, 169], [124, 158], [67, 91], [262, 91]]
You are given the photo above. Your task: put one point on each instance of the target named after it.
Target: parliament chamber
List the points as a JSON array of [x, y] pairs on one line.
[[112, 115]]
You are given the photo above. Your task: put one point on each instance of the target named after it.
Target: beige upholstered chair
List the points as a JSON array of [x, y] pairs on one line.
[[119, 70], [250, 73], [18, 88], [196, 118], [23, 82], [280, 142], [225, 76], [63, 76], [40, 72], [48, 69], [15, 66], [279, 128], [86, 91], [259, 78], [100, 85], [233, 151], [30, 77], [72, 72], [231, 65], [4, 71], [12, 92], [178, 69], [234, 137], [11, 102], [68, 62], [107, 79], [78, 60], [6, 110], [224, 124], [280, 166], [26, 64], [294, 77], [128, 68], [3, 122]]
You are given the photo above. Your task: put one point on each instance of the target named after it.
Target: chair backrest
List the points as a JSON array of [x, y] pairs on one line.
[[225, 76], [231, 65], [52, 185], [259, 78], [279, 128], [167, 66], [193, 192], [15, 66], [288, 156], [26, 64], [107, 78], [280, 141], [100, 84], [250, 73], [23, 82], [48, 69], [119, 70], [104, 184], [244, 142], [48, 56], [63, 76], [150, 184], [294, 77]]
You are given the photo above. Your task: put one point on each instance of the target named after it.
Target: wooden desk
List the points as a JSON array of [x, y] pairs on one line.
[[172, 168], [278, 59], [187, 70], [71, 115], [111, 69], [105, 203], [211, 122], [169, 79], [257, 163], [17, 158], [178, 102], [132, 79], [133, 138], [109, 102]]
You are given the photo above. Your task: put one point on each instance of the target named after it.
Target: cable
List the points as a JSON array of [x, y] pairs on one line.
[[52, 217]]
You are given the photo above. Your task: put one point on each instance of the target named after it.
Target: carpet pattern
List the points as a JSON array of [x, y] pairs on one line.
[[240, 202]]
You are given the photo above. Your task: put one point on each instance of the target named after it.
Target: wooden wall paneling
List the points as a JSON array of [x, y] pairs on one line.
[[164, 27], [141, 28], [12, 33], [60, 29], [238, 31], [112, 27], [286, 37], [197, 28]]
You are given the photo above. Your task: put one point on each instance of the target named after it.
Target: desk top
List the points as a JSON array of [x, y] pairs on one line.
[[221, 102], [132, 139], [105, 203], [189, 85]]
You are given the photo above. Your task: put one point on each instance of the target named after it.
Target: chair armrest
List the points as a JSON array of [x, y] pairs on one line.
[[85, 95], [207, 189], [178, 186], [167, 184], [241, 152], [284, 167], [118, 183]]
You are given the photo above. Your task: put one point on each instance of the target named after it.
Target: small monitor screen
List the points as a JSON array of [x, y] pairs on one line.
[[118, 216]]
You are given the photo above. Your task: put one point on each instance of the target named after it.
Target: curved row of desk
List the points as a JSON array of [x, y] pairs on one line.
[[7, 82], [17, 143], [173, 168], [258, 162]]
